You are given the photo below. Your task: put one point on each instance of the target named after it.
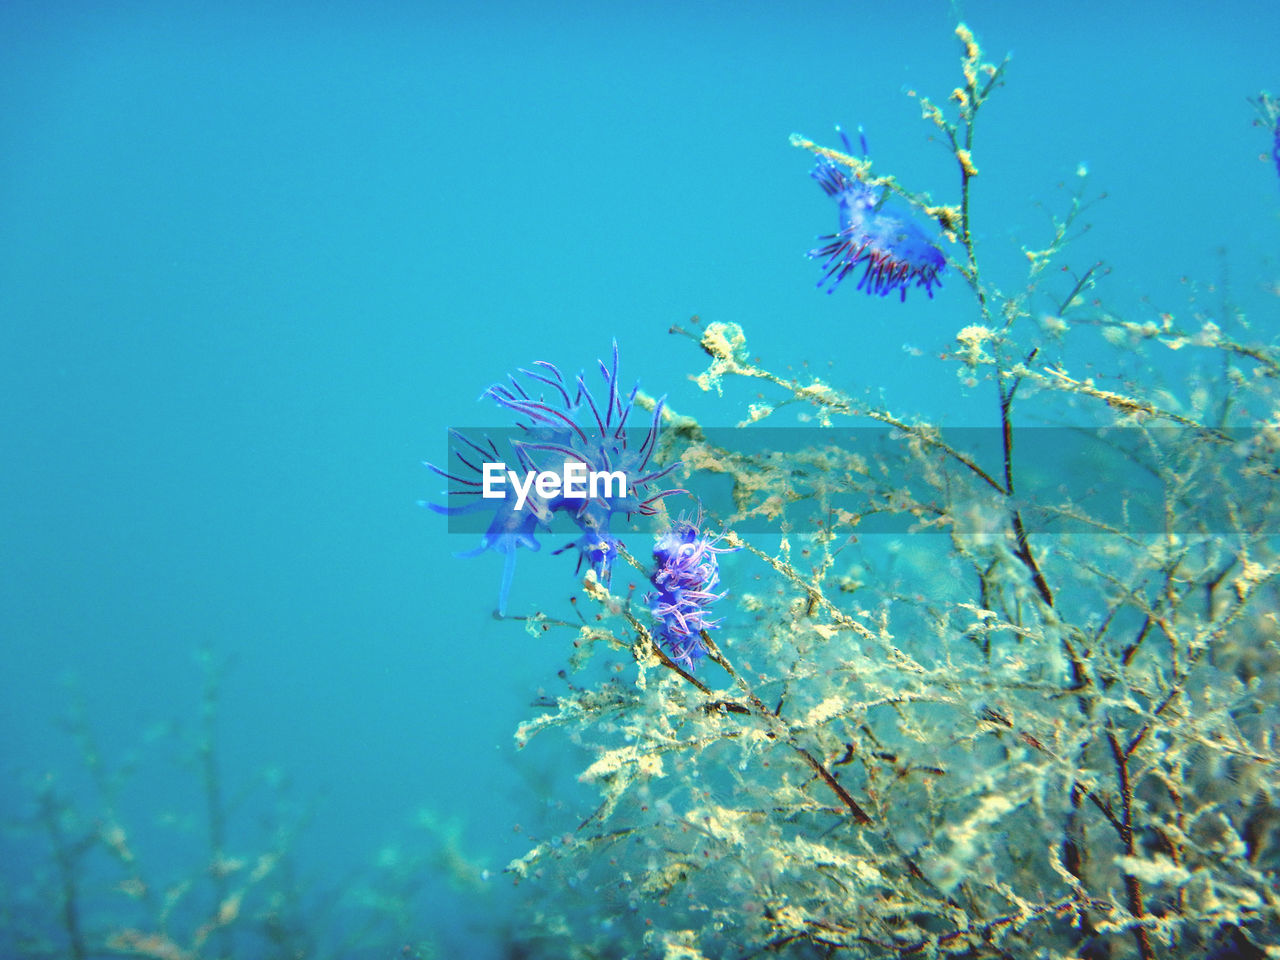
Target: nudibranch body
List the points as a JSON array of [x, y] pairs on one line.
[[894, 253]]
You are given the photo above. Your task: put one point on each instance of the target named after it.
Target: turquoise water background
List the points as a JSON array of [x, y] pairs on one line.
[[256, 258]]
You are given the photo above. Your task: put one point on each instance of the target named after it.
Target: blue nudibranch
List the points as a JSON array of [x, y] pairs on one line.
[[894, 252], [568, 425], [685, 575]]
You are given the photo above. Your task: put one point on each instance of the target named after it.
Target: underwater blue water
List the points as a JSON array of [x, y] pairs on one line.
[[255, 258]]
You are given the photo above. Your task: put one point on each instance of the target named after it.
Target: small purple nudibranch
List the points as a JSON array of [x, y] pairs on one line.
[[1275, 145], [684, 578], [1268, 108]]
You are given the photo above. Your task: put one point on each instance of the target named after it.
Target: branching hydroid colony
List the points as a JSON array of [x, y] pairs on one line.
[[1047, 730]]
